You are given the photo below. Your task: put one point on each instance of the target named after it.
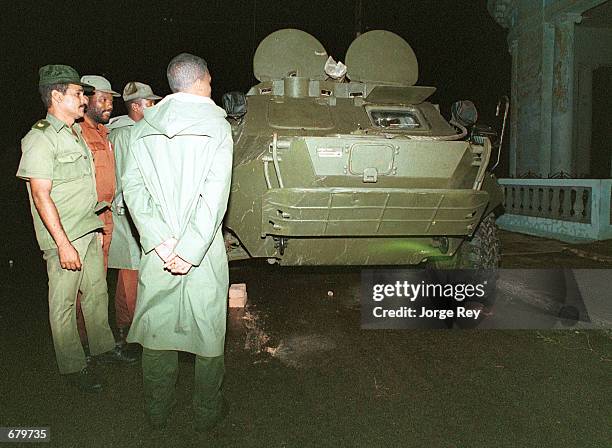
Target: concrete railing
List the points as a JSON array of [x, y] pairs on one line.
[[565, 209]]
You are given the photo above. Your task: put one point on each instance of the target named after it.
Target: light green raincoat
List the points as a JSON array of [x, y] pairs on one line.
[[176, 184], [124, 250]]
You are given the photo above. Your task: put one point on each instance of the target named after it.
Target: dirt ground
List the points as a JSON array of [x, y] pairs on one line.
[[301, 372]]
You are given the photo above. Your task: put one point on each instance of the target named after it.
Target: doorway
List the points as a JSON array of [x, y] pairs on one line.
[[601, 137]]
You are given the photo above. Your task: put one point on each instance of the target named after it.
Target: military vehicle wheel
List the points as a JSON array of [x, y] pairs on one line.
[[482, 251], [476, 261]]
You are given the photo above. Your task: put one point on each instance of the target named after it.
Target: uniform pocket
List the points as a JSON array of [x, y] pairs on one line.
[[69, 157], [69, 166]]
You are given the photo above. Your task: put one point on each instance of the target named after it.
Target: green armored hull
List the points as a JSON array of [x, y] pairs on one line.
[[365, 172]]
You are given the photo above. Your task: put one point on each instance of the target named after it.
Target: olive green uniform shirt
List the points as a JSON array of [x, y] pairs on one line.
[[51, 150]]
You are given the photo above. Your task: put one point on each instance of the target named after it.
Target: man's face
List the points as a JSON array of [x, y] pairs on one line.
[[138, 108], [143, 104], [100, 107], [73, 101]]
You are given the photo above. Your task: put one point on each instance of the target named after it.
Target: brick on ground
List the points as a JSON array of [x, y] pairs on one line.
[[237, 295]]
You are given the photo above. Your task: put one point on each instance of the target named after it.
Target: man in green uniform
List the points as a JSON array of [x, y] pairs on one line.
[[176, 184], [124, 251], [60, 178]]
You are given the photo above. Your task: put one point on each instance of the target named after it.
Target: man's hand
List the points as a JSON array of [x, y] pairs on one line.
[[69, 257], [166, 249], [176, 265], [41, 195]]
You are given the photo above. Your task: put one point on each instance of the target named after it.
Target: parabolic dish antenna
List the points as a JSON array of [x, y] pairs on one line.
[[383, 57], [289, 52]]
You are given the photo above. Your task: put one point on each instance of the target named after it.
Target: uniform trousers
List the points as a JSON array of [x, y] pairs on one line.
[[63, 288], [125, 297], [160, 372], [106, 236]]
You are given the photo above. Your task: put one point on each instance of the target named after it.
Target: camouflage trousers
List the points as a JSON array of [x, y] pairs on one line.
[[160, 372]]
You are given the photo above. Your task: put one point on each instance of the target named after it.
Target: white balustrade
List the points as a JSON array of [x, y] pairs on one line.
[[565, 209]]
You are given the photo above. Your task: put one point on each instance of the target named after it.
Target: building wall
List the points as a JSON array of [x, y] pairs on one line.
[[593, 49], [527, 91], [542, 43]]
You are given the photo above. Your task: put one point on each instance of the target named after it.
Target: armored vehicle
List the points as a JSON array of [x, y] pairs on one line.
[[349, 164]]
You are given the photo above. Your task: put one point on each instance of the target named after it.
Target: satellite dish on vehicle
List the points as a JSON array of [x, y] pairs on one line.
[[289, 52], [382, 57]]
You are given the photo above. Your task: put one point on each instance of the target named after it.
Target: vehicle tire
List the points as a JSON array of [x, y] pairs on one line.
[[476, 261], [481, 251]]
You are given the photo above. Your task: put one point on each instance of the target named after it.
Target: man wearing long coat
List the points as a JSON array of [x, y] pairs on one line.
[[176, 185]]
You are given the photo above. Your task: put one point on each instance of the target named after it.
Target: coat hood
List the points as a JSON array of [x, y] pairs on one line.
[[183, 113]]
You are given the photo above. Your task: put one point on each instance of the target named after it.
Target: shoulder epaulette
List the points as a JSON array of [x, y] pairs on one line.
[[41, 125]]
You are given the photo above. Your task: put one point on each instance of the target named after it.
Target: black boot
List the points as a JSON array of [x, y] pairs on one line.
[[115, 356], [129, 350], [122, 333], [85, 380]]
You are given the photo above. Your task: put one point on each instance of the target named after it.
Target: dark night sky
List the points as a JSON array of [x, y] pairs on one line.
[[461, 51]]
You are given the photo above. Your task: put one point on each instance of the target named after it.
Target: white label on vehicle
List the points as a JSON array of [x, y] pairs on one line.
[[329, 152]]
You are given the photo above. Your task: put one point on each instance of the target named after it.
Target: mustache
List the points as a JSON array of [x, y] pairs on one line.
[[99, 111]]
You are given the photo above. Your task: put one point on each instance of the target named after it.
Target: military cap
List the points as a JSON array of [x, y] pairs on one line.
[[59, 74], [99, 83], [135, 90]]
